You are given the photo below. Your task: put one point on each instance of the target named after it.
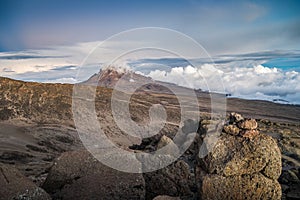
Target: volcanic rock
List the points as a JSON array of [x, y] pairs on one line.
[[173, 180], [242, 165], [249, 133], [247, 124], [235, 117], [237, 156], [255, 186], [231, 129], [168, 144], [78, 175], [16, 186], [165, 197]]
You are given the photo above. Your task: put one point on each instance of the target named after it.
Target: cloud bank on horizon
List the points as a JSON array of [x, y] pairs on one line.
[[254, 44]]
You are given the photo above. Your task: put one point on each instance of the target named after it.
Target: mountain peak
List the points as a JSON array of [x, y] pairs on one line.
[[108, 76], [123, 75], [121, 69]]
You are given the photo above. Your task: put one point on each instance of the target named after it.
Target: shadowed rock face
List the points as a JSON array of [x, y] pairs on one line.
[[32, 148], [78, 175], [174, 180], [13, 185]]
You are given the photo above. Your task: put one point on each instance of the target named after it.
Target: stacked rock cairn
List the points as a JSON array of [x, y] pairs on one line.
[[243, 164]]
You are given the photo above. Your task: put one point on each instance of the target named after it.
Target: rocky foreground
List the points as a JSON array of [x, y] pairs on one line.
[[244, 164], [42, 156]]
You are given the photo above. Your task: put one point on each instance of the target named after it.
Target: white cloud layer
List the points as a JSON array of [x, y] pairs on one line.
[[256, 82]]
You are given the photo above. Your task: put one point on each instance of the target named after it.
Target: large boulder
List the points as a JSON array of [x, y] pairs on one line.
[[169, 146], [78, 175], [242, 164], [237, 156], [173, 180], [13, 185], [106, 185]]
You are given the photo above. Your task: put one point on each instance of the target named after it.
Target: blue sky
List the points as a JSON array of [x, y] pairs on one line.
[[220, 26], [255, 45]]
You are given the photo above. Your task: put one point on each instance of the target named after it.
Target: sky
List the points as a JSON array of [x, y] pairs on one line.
[[47, 40], [220, 26]]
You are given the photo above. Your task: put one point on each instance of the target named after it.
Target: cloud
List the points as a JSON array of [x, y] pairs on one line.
[[7, 70], [23, 57], [71, 67], [266, 54], [256, 82], [252, 11], [276, 58], [65, 74], [43, 60], [63, 80]]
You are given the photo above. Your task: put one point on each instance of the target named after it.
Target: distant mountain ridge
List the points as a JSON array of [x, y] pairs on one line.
[[110, 76], [52, 102]]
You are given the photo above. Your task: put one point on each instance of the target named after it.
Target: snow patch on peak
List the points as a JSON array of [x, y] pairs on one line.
[[120, 68]]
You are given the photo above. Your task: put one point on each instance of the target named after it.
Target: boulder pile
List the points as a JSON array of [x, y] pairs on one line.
[[243, 164], [14, 185]]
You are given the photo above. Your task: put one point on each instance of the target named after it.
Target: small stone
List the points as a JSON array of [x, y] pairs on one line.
[[235, 117], [164, 140], [231, 129], [167, 145], [249, 134], [248, 124], [165, 197]]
